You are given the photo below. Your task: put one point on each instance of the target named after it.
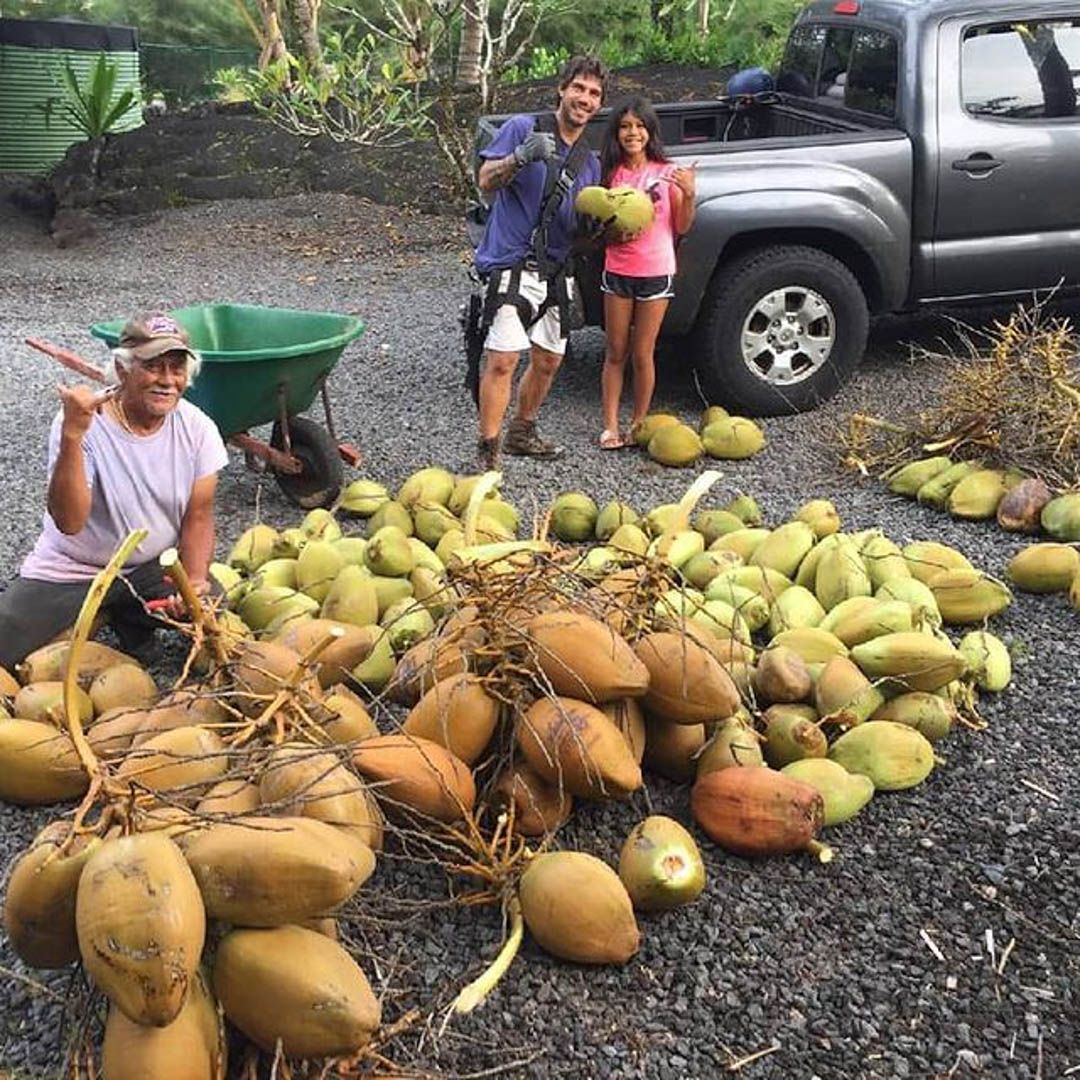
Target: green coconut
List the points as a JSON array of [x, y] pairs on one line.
[[660, 865], [677, 445], [732, 438], [573, 516]]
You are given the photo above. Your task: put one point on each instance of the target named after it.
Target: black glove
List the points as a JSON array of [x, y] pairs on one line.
[[539, 146]]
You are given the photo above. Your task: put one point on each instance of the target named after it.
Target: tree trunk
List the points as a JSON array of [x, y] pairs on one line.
[[273, 40], [703, 16], [306, 13], [468, 65]]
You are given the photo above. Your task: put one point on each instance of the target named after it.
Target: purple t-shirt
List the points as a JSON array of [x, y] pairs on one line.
[[516, 209], [137, 482]]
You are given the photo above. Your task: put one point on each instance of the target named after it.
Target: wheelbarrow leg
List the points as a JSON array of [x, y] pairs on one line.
[[350, 454]]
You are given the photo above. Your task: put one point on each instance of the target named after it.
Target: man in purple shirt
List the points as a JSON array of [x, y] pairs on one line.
[[526, 265]]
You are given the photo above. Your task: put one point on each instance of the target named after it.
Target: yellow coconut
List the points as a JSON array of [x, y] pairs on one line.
[[192, 1047], [39, 906], [576, 908], [38, 764], [296, 988], [183, 762], [267, 871], [141, 925], [457, 713], [575, 747], [122, 685], [686, 683], [418, 775]]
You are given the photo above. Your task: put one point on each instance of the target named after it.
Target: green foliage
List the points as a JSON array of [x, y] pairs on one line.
[[357, 94], [747, 33], [192, 22], [542, 63], [94, 107]]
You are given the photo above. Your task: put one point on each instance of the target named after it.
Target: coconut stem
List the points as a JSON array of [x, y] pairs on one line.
[[479, 493], [821, 851], [93, 600], [200, 616], [474, 994], [693, 496]]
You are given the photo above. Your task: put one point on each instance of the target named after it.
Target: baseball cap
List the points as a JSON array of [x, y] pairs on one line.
[[153, 334]]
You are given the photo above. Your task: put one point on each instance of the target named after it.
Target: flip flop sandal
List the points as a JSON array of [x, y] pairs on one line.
[[611, 440]]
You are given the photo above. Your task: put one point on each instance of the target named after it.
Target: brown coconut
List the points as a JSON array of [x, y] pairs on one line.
[[230, 797], [583, 658], [267, 871], [457, 713], [781, 675], [122, 685], [339, 657], [50, 662], [428, 661], [671, 749], [111, 734], [141, 925], [757, 811], [1021, 506], [296, 987], [539, 807], [182, 761], [347, 718], [38, 764], [576, 908], [628, 716], [44, 702], [192, 1047], [686, 683], [260, 669], [733, 744], [574, 746], [301, 781], [39, 907], [416, 774]]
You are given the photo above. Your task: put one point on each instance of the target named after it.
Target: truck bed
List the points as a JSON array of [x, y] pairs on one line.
[[708, 125]]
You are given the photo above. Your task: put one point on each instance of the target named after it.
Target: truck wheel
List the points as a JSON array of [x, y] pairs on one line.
[[781, 329], [320, 480]]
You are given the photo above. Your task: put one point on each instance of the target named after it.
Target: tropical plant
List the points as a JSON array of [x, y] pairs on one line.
[[94, 108]]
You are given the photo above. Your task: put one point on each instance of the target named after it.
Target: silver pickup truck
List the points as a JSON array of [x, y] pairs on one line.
[[914, 153]]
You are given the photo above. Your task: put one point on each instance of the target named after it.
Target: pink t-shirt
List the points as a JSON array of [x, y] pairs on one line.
[[137, 482], [652, 252]]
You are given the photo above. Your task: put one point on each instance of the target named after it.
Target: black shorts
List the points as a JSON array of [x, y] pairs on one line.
[[638, 288]]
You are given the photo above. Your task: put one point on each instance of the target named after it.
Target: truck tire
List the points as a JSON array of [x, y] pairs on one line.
[[781, 329]]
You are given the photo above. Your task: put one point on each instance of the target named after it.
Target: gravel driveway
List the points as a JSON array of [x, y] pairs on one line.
[[945, 938]]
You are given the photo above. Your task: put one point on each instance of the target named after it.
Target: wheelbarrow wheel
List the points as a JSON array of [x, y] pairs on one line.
[[319, 482]]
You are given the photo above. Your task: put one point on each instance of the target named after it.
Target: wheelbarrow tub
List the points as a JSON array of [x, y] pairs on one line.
[[249, 352]]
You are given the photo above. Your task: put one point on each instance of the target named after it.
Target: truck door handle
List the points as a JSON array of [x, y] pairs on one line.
[[979, 163]]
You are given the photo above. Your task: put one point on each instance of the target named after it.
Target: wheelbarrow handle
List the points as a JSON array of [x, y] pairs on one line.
[[70, 360]]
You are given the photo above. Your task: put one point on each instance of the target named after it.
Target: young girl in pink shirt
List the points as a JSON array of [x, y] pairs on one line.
[[639, 272]]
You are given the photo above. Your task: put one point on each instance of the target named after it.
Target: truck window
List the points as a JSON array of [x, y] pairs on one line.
[[1021, 71], [841, 65], [799, 70], [871, 77]]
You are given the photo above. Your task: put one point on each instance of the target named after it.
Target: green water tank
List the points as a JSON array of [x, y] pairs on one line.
[[34, 132]]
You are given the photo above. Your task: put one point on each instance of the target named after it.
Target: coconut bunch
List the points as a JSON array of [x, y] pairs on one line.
[[670, 441], [203, 864], [1011, 399]]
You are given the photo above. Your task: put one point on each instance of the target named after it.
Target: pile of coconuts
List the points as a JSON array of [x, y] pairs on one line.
[[409, 665], [671, 441]]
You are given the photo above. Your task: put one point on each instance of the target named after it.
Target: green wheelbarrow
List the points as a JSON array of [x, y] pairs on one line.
[[265, 365]]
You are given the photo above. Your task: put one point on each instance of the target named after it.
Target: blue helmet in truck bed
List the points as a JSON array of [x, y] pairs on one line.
[[755, 80]]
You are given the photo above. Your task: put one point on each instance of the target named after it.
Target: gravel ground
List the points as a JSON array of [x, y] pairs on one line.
[[945, 938]]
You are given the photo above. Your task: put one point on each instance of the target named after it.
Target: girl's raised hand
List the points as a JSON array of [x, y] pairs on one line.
[[685, 179]]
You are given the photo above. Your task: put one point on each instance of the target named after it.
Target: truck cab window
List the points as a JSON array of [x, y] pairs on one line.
[[1022, 71], [799, 70], [834, 64], [872, 74]]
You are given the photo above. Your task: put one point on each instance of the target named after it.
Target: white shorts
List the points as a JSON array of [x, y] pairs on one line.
[[506, 334]]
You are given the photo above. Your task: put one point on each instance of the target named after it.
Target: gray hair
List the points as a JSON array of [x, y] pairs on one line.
[[125, 358]]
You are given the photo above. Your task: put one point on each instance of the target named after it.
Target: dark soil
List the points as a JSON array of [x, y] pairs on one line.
[[211, 152]]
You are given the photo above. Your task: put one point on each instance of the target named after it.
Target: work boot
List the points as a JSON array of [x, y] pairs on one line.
[[523, 440], [487, 453]]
